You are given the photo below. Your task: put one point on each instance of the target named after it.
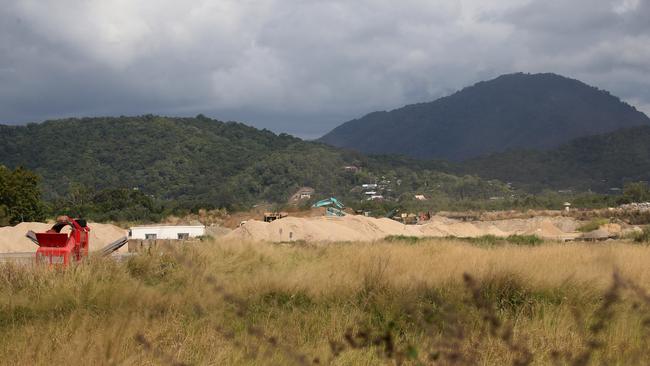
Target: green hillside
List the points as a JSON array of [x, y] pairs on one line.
[[538, 111], [187, 159], [594, 163], [199, 162]]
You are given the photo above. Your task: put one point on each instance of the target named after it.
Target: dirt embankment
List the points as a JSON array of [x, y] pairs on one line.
[[13, 240], [360, 228]]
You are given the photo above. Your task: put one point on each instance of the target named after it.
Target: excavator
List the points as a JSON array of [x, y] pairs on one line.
[[407, 218], [61, 249], [334, 206]]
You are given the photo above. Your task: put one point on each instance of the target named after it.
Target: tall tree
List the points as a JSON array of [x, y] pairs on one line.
[[636, 192], [20, 196]]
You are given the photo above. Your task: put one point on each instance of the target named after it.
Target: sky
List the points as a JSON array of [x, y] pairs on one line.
[[300, 66]]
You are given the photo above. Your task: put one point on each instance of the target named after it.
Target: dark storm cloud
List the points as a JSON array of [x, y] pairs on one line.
[[301, 66]]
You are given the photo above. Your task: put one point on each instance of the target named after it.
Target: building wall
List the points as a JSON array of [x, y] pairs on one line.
[[165, 232]]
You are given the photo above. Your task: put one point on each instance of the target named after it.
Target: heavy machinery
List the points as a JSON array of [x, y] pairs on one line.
[[408, 218], [334, 206], [272, 216], [62, 249]]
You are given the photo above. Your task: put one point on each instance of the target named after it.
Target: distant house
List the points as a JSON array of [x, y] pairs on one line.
[[303, 193], [420, 197], [352, 168], [369, 186], [174, 232], [376, 197]]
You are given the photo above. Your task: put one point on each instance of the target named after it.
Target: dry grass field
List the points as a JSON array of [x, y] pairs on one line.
[[401, 302]]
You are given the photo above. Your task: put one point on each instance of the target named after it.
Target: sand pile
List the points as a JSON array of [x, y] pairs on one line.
[[488, 228], [103, 234], [361, 228], [557, 228], [13, 240], [546, 229], [347, 228]]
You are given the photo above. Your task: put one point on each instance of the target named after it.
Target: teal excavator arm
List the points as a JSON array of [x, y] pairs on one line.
[[329, 202], [334, 206]]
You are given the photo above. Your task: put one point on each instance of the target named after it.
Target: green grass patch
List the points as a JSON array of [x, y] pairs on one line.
[[524, 239], [486, 240], [403, 239], [492, 240], [592, 225]]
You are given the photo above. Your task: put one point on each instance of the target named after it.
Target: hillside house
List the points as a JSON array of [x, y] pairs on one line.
[[303, 193]]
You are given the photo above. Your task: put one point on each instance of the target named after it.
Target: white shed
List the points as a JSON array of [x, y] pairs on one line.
[[166, 232]]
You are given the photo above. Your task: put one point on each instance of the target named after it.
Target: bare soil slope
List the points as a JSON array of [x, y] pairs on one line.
[[361, 228]]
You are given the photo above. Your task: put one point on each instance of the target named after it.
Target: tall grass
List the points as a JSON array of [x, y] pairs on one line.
[[428, 302]]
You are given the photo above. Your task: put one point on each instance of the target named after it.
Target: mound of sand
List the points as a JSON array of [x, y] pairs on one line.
[[13, 240], [361, 228], [347, 228], [556, 228]]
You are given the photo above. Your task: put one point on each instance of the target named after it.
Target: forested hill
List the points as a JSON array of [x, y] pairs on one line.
[[534, 111], [200, 162], [597, 162], [188, 159]]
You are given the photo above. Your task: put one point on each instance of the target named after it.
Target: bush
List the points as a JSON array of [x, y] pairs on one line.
[[524, 239], [486, 240], [593, 225], [403, 239], [644, 236], [492, 240]]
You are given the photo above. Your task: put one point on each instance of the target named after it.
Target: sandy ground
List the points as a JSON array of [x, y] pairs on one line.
[[13, 240], [361, 228]]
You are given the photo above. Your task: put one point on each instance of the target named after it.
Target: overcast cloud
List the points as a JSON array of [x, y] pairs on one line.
[[301, 66]]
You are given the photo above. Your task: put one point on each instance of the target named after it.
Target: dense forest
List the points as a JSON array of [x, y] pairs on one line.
[[532, 111], [127, 168], [143, 168], [598, 163]]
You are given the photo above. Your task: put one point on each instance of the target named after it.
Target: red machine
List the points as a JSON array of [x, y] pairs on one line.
[[57, 248]]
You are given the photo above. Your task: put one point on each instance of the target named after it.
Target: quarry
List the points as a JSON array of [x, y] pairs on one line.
[[317, 226]]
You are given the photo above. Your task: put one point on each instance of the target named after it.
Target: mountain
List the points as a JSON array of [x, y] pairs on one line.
[[597, 163], [200, 162], [533, 111]]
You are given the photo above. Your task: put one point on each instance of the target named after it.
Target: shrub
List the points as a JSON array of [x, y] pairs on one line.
[[593, 225], [492, 240], [403, 238], [524, 239], [486, 240], [644, 236]]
